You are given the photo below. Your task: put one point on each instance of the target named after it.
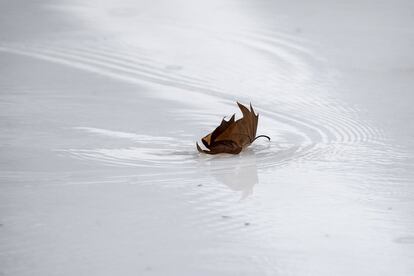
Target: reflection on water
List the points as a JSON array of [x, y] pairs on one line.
[[240, 174]]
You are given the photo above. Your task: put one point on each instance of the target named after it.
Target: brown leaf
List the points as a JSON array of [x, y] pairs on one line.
[[232, 136]]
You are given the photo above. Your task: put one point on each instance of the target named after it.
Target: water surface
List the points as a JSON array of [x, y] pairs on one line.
[[102, 103]]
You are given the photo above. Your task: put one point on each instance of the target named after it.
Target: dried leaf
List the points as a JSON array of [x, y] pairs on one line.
[[232, 136]]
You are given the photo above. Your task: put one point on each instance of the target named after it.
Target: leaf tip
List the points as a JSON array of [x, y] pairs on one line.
[[251, 109]]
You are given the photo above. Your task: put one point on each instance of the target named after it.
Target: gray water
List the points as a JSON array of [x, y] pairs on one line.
[[102, 102]]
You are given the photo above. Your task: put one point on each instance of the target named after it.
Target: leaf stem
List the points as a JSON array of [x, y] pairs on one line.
[[250, 139], [265, 136]]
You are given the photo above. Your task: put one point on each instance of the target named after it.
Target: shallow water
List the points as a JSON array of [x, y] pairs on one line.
[[102, 103]]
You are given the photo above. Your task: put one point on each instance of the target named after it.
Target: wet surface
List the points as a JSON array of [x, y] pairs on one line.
[[101, 111]]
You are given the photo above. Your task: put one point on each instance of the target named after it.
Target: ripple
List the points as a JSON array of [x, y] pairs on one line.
[[319, 126], [405, 240]]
